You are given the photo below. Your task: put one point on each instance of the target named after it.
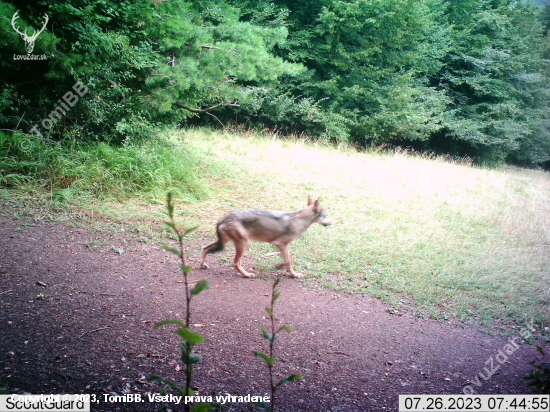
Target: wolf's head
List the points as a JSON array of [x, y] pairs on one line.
[[320, 215]]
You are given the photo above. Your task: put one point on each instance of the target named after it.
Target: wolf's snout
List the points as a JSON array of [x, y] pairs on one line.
[[325, 222]]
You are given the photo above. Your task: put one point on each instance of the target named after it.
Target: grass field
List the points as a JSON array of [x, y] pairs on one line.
[[440, 238]]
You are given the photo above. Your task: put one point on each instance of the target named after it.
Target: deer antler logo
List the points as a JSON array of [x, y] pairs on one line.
[[29, 40]]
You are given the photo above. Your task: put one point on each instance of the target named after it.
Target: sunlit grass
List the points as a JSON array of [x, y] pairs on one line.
[[445, 239]]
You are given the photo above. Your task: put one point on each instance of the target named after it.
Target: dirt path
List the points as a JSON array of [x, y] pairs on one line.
[[94, 332]]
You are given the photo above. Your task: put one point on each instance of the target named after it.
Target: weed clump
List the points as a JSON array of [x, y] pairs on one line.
[[540, 378]]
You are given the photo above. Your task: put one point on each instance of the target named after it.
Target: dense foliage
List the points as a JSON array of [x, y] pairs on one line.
[[467, 77]]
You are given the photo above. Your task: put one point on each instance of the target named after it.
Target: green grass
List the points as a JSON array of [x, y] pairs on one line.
[[97, 170], [441, 238]]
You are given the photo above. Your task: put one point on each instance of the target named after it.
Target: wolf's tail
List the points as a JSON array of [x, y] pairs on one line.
[[218, 246]]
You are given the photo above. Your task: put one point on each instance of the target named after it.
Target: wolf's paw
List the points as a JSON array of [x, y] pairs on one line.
[[243, 272], [297, 275], [204, 266]]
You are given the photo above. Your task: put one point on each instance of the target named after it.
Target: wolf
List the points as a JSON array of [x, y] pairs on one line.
[[275, 227]]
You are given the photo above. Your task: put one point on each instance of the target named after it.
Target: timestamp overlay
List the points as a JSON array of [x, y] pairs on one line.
[[484, 403]]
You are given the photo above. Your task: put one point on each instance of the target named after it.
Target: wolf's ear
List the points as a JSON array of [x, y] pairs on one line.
[[309, 201], [317, 206]]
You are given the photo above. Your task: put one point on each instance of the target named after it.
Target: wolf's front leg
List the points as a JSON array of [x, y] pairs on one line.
[[285, 253], [240, 249]]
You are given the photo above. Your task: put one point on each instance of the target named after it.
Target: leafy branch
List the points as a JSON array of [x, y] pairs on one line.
[[269, 359], [190, 338], [209, 109]]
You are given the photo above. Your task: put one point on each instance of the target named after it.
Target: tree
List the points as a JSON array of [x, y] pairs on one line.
[[145, 63], [367, 62], [496, 78]]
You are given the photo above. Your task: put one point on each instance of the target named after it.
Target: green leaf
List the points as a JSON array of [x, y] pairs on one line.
[[276, 295], [191, 359], [186, 349], [539, 348], [190, 230], [176, 252], [200, 286], [189, 392], [172, 226], [267, 335], [156, 378], [186, 269], [202, 407], [192, 337], [270, 312], [269, 360], [169, 322], [263, 406], [170, 204], [285, 328], [288, 379]]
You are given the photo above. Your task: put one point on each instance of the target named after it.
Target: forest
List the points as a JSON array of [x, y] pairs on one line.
[[461, 77]]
